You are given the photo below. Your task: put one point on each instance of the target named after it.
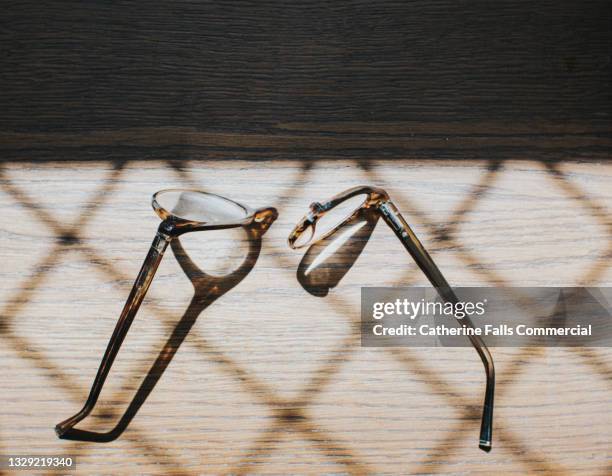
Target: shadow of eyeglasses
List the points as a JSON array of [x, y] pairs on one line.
[[327, 261], [207, 289]]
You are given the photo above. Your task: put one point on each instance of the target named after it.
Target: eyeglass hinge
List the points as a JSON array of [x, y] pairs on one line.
[[391, 213], [161, 241]]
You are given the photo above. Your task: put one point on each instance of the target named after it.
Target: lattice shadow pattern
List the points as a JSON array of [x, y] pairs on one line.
[[293, 414]]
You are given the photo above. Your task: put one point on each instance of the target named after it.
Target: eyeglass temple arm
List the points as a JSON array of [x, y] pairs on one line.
[[139, 290], [402, 230]]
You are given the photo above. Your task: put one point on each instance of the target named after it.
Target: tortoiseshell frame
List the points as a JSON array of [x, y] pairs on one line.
[[377, 199], [170, 228]]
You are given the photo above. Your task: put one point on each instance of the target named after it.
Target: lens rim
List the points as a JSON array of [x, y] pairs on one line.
[[184, 223], [373, 196]]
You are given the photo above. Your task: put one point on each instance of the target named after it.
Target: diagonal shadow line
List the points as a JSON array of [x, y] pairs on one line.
[[597, 210], [254, 386], [591, 357], [536, 463], [455, 435], [472, 198], [402, 355], [197, 341], [108, 270], [66, 234], [529, 458], [411, 362], [183, 171], [261, 447], [431, 379], [365, 164], [23, 348], [163, 456], [86, 252], [476, 266], [73, 451], [29, 287], [297, 414], [204, 347], [51, 257], [518, 365], [292, 413], [301, 422], [522, 300], [26, 351], [403, 204], [332, 447], [305, 168], [447, 234], [39, 211], [298, 181], [207, 289], [323, 375], [98, 198], [339, 304]]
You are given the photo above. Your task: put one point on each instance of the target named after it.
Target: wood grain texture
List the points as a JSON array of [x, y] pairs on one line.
[[498, 118], [279, 79], [271, 379]]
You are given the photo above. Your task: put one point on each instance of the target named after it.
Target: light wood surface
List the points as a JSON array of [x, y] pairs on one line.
[[271, 379]]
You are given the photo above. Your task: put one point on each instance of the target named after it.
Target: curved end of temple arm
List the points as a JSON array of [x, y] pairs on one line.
[[486, 426], [402, 230], [485, 445], [63, 429]]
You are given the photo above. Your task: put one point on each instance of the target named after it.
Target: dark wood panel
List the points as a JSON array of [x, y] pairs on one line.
[[316, 68]]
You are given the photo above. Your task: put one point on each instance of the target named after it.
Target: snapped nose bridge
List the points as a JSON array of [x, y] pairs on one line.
[[268, 214]]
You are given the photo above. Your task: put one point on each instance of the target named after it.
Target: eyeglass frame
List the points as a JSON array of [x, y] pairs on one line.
[[379, 200], [170, 228]]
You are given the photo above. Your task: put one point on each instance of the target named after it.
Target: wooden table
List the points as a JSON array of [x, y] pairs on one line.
[[488, 125], [270, 378]]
